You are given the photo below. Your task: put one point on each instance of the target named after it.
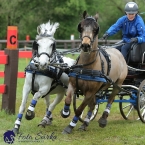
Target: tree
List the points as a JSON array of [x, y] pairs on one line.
[[28, 14]]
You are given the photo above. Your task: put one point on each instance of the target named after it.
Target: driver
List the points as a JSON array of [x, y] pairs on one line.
[[132, 26]]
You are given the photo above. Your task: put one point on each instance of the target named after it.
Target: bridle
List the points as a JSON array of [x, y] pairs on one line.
[[49, 56], [91, 44], [52, 55], [91, 40]]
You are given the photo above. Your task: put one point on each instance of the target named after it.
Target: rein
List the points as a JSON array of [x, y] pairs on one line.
[[51, 73], [69, 51], [82, 65]]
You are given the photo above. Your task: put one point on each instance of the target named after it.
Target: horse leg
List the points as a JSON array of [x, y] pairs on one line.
[[75, 119], [47, 120], [43, 85], [30, 114], [65, 112], [26, 91], [103, 120], [86, 122]]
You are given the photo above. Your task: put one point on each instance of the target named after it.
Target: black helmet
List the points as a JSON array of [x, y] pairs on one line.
[[131, 8]]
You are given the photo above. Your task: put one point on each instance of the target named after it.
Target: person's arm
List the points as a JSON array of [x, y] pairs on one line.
[[115, 27], [141, 31]]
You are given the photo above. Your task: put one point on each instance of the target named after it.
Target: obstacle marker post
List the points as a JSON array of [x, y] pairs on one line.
[[11, 70], [27, 40]]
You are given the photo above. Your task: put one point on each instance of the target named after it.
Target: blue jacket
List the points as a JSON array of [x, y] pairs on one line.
[[130, 29]]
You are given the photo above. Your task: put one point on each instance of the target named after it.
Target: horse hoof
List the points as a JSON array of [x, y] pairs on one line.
[[44, 122], [49, 122], [65, 116], [29, 115], [67, 130], [82, 128], [102, 122], [41, 125], [16, 130]]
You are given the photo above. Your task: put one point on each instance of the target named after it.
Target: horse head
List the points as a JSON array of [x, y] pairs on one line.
[[46, 48], [46, 44], [89, 30]]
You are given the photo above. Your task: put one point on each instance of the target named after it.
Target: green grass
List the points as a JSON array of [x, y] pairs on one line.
[[117, 132]]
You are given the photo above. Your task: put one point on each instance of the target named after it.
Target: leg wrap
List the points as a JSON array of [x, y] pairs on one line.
[[18, 121], [87, 118], [48, 113], [66, 107], [74, 121], [108, 107], [20, 116], [89, 114], [32, 105]]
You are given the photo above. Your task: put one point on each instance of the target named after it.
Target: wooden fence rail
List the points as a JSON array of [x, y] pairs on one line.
[[60, 44], [3, 60]]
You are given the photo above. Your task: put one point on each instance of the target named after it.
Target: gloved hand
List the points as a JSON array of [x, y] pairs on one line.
[[105, 36], [133, 40]]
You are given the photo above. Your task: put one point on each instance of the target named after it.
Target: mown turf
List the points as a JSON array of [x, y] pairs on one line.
[[117, 132]]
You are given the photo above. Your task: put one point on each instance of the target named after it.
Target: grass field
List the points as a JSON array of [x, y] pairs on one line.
[[117, 132]]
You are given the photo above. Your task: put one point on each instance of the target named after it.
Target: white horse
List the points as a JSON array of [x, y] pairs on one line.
[[41, 78]]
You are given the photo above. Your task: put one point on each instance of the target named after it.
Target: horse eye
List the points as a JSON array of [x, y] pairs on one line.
[[94, 31], [81, 29]]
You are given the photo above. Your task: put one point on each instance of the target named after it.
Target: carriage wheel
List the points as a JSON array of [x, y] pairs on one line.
[[127, 109], [141, 101], [79, 99]]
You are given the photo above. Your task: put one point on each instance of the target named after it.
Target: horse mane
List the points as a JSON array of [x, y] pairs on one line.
[[47, 30]]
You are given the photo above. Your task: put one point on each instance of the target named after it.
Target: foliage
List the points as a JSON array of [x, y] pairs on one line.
[[28, 14]]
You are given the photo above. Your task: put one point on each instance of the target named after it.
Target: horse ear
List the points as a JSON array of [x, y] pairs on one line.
[[96, 16], [79, 27], [84, 14]]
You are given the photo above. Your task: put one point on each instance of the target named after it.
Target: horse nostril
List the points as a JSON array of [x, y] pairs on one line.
[[85, 45]]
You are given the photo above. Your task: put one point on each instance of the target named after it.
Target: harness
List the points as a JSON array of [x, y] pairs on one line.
[[87, 74], [91, 75], [51, 72], [108, 60], [78, 72]]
